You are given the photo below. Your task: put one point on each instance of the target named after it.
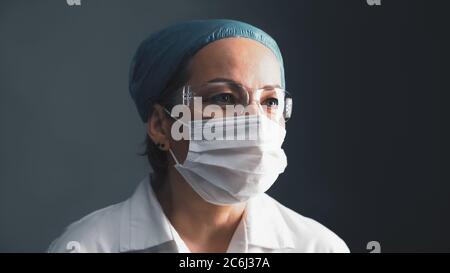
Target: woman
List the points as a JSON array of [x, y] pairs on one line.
[[206, 192]]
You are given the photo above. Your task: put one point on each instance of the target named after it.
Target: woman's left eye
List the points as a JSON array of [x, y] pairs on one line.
[[271, 102]]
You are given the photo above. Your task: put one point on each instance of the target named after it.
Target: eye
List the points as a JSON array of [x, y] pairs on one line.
[[223, 98], [271, 102]]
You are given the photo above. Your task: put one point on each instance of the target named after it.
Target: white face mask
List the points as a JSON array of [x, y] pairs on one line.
[[225, 172]]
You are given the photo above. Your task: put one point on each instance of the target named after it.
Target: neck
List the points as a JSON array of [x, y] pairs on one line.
[[195, 219]]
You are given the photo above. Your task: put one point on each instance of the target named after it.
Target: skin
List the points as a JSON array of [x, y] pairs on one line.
[[205, 227]]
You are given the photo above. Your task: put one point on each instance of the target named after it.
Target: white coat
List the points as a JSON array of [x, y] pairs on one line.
[[140, 225]]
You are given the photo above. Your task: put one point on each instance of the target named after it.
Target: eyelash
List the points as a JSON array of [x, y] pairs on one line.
[[219, 96]]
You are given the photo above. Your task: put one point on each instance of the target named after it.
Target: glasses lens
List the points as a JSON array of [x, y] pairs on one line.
[[220, 99], [222, 94], [275, 102]]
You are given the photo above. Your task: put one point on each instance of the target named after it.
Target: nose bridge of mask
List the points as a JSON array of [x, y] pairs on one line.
[[249, 134], [242, 127], [254, 127]]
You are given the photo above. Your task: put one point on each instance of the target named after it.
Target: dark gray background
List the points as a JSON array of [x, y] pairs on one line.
[[365, 145]]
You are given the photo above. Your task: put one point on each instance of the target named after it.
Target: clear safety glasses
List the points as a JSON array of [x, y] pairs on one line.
[[226, 98]]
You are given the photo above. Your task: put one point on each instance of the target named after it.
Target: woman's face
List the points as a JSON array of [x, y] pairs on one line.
[[240, 60]]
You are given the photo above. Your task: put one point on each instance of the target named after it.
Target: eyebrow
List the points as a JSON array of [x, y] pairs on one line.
[[219, 79], [223, 80]]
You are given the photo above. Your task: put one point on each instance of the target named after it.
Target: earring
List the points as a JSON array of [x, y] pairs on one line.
[[160, 145]]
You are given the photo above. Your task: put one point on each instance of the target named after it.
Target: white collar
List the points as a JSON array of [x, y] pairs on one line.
[[144, 224]]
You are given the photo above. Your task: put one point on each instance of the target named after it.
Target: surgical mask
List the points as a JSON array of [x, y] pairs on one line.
[[224, 171]]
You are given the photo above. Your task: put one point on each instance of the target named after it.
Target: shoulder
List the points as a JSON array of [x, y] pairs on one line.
[[97, 232], [307, 234]]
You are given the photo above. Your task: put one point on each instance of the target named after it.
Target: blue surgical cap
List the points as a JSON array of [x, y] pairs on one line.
[[159, 56]]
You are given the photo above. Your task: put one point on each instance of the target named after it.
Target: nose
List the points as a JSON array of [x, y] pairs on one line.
[[253, 109]]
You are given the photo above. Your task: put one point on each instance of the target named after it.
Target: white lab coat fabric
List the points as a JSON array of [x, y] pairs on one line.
[[140, 225]]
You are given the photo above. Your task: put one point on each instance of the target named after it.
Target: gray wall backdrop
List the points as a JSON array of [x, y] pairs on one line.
[[365, 145]]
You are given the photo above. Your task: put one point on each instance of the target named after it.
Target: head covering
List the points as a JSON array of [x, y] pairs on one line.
[[159, 56]]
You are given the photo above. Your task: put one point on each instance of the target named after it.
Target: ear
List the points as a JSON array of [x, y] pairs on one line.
[[158, 127]]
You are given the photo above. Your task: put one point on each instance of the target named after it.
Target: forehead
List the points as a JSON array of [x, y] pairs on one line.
[[240, 59]]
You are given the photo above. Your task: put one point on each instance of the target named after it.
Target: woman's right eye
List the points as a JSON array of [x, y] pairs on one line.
[[223, 98]]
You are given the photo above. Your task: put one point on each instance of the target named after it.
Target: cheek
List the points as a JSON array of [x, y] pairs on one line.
[[180, 149]]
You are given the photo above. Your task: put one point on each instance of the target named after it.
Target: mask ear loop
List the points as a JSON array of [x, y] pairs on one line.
[[177, 119], [174, 157], [174, 118], [170, 150]]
